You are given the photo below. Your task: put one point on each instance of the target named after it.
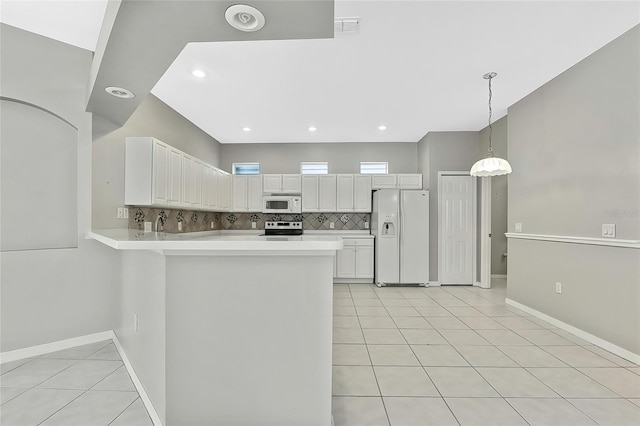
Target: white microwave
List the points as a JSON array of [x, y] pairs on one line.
[[281, 204]]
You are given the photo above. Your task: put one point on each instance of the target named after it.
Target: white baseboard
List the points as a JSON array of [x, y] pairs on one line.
[[85, 340], [498, 275], [604, 344], [137, 383], [54, 346]]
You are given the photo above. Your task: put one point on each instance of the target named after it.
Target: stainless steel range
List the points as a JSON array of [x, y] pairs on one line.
[[282, 228]]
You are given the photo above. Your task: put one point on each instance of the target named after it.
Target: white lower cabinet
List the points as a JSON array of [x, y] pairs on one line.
[[354, 263]]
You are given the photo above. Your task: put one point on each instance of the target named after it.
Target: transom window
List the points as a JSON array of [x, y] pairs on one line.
[[246, 168], [374, 168], [314, 168]]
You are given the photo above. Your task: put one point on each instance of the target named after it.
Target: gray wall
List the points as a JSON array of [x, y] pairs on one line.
[[498, 195], [342, 157], [443, 151], [152, 118], [574, 145], [50, 295]]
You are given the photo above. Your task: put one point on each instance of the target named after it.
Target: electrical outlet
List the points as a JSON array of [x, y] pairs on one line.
[[135, 323], [518, 227], [120, 213], [609, 230], [366, 225], [211, 225], [179, 226], [253, 225], [147, 226], [332, 225], [558, 287], [126, 213]]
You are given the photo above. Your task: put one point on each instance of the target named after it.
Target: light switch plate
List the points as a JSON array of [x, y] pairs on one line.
[[609, 230], [147, 227]]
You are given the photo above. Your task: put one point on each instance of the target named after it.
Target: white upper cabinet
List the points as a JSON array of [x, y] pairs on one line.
[[209, 187], [160, 174], [291, 184], [362, 193], [157, 174], [327, 193], [281, 184], [153, 173], [397, 181], [384, 181], [410, 181], [354, 193], [336, 193], [309, 193], [345, 193], [247, 193], [224, 190]]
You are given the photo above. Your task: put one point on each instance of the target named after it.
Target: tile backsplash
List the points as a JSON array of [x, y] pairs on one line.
[[194, 221]]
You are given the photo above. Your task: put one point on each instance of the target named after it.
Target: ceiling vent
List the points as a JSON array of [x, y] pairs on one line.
[[244, 18], [346, 25]]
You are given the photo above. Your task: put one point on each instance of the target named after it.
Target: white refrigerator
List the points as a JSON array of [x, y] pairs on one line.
[[400, 223]]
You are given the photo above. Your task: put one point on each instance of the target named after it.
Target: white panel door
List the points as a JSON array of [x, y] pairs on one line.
[[456, 228]]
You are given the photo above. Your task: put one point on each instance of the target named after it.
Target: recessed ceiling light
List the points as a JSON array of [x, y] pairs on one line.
[[312, 129], [119, 92], [383, 127], [198, 73], [246, 129], [244, 18]]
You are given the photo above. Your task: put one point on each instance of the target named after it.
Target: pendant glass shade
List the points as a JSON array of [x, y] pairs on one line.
[[490, 166]]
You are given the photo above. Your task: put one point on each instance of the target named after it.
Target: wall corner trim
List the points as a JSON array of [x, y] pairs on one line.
[[604, 344], [612, 242], [38, 350]]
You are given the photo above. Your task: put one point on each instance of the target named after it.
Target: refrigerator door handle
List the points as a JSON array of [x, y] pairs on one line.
[[401, 239]]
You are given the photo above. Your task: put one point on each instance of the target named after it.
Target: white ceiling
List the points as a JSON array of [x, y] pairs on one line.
[[415, 66], [75, 22]]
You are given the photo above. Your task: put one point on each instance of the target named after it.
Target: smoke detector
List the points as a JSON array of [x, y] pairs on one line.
[[244, 18], [119, 92]]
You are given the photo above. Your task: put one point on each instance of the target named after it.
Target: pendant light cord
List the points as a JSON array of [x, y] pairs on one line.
[[490, 111]]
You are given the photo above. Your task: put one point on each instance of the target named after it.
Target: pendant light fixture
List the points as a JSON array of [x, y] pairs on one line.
[[490, 166]]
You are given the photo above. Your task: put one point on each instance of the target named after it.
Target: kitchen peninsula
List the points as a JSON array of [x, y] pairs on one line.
[[228, 329]]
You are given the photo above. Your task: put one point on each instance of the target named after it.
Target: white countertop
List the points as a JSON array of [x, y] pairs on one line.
[[215, 241]]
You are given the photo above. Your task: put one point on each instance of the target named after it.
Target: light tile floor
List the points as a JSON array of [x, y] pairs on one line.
[[82, 386], [402, 356], [407, 356]]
